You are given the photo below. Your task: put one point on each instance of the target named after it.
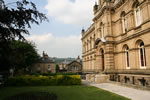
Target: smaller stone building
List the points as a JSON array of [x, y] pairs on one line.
[[75, 66], [45, 65]]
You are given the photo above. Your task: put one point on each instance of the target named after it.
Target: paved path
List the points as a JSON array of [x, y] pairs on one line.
[[131, 93]]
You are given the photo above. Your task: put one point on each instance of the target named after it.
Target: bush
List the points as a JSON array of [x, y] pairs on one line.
[[53, 74], [43, 80]]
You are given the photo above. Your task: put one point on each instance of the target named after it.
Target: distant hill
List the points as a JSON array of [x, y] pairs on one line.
[[63, 60]]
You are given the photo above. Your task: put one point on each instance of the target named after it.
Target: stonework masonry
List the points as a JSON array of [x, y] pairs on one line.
[[117, 44]]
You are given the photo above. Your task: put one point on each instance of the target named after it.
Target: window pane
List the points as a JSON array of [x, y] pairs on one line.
[[127, 59], [138, 17], [145, 56], [141, 57]]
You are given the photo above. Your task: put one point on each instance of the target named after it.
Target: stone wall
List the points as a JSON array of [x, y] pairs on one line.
[[141, 81]]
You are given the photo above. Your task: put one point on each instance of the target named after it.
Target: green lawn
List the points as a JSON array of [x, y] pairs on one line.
[[65, 92]]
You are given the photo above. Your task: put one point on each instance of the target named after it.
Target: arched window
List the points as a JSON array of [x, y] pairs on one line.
[[137, 13], [138, 16], [127, 57], [142, 55], [87, 46], [102, 30], [124, 22], [84, 47], [90, 43]]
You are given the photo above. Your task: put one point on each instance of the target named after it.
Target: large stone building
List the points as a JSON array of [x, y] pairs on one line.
[[118, 42], [44, 65]]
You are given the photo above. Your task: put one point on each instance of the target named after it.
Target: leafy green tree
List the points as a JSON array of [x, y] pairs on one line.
[[15, 20], [24, 55], [57, 68]]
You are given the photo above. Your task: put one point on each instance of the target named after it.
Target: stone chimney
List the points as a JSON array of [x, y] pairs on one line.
[[78, 59], [45, 56]]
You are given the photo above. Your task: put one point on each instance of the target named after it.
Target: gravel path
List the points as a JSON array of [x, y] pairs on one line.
[[131, 93]]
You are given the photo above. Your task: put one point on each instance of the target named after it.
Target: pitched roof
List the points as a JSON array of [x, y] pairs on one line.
[[76, 62], [46, 60]]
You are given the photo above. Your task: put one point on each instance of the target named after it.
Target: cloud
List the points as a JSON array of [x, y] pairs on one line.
[[69, 46], [75, 12]]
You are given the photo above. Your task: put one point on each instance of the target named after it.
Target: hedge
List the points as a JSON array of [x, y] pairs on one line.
[[43, 80], [53, 74]]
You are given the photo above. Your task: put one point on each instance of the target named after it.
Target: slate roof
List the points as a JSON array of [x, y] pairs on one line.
[[76, 62], [46, 60]]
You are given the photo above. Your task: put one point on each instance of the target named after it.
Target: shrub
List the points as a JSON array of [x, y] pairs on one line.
[[43, 80], [54, 74]]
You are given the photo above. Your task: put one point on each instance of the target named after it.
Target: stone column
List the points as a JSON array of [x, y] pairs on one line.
[[97, 64], [109, 57]]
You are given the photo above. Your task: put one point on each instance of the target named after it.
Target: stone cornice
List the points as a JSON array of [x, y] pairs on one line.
[[134, 35], [101, 12], [114, 7], [89, 30], [120, 3]]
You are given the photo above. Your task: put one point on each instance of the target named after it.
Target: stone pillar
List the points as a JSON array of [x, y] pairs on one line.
[[97, 63], [109, 57]]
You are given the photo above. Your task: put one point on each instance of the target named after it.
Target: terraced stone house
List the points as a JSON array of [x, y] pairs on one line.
[[116, 47], [44, 65]]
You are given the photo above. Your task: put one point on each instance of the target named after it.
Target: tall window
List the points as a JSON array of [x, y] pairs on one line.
[[142, 55], [39, 68], [90, 43], [102, 30], [49, 68], [138, 16], [87, 46], [127, 57], [103, 62], [124, 22]]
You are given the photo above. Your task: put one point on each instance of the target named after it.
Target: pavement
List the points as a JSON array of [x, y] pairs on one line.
[[132, 93]]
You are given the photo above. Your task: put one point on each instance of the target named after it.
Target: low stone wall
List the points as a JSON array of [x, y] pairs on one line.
[[141, 81], [97, 78], [131, 80]]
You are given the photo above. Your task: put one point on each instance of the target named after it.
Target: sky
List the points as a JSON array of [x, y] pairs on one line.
[[61, 36]]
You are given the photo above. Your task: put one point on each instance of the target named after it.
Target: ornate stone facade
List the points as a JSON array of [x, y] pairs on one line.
[[118, 43]]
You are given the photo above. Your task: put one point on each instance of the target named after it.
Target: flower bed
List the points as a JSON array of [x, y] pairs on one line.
[[32, 80]]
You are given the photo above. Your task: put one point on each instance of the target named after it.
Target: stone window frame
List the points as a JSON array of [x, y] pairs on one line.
[[49, 68], [124, 22], [102, 30], [143, 63], [127, 56], [137, 15]]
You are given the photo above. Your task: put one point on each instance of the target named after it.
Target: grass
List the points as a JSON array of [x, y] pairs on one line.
[[65, 92]]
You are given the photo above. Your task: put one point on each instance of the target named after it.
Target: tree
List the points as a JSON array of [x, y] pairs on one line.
[[24, 55], [57, 68], [14, 23]]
